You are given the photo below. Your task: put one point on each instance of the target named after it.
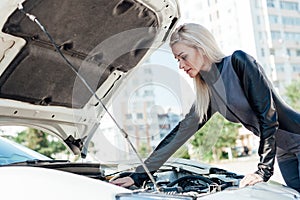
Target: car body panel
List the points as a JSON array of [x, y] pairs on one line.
[[49, 184], [260, 191]]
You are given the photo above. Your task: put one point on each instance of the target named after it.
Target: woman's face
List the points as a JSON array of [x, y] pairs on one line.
[[190, 59]]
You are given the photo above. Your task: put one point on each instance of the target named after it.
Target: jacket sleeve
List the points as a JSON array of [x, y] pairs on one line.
[[167, 147], [258, 91]]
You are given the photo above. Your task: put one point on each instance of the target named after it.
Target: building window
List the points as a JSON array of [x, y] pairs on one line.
[[288, 52], [262, 52], [139, 115], [128, 116], [142, 127], [296, 68], [298, 52], [279, 67], [270, 3], [287, 21], [286, 5], [272, 51], [294, 21], [275, 35], [273, 19], [260, 36], [276, 84], [129, 128], [292, 36]]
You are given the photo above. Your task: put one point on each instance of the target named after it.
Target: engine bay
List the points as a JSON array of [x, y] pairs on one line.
[[179, 181], [182, 181]]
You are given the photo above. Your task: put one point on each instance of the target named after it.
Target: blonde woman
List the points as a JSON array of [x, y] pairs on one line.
[[236, 87]]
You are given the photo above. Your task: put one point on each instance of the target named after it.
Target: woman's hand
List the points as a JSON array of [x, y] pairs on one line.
[[123, 182], [250, 179]]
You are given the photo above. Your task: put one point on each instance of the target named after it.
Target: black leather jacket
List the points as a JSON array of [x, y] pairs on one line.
[[279, 123], [272, 115]]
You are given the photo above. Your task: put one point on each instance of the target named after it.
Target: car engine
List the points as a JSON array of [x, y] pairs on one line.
[[178, 181]]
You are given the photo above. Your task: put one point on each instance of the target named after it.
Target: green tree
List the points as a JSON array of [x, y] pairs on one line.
[[144, 150], [293, 94], [40, 141], [208, 143], [227, 138]]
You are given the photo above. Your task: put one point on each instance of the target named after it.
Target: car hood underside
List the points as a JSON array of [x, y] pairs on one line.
[[38, 75]]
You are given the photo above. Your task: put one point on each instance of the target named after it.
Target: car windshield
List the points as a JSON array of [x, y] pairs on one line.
[[11, 152]]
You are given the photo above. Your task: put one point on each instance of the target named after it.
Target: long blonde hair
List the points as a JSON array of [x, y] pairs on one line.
[[197, 36]]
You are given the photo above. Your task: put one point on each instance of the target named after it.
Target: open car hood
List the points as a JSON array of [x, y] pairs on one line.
[[102, 39]]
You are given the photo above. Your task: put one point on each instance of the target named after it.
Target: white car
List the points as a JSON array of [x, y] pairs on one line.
[[61, 64]]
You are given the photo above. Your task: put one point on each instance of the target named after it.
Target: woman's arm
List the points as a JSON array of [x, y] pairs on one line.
[[257, 89], [167, 147]]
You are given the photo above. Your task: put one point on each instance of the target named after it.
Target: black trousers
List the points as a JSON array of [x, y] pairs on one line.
[[289, 164]]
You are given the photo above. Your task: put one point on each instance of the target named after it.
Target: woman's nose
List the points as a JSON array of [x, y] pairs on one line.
[[181, 65]]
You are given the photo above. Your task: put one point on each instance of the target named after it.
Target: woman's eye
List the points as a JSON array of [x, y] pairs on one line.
[[181, 58]]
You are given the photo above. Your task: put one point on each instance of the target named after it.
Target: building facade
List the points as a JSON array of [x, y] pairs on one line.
[[277, 36], [269, 30]]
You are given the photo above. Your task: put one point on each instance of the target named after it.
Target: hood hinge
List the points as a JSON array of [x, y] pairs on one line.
[[75, 145]]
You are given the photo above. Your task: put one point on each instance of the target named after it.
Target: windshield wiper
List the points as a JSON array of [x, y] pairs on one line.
[[36, 161]]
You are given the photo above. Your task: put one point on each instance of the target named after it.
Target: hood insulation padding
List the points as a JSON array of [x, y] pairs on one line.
[[39, 75]]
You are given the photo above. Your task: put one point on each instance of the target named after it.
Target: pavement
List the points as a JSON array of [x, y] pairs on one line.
[[247, 165]]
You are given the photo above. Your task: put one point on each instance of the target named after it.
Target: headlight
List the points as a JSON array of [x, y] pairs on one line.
[[150, 196]]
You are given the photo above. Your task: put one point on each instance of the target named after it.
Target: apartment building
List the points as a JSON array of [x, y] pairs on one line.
[[269, 30], [277, 35]]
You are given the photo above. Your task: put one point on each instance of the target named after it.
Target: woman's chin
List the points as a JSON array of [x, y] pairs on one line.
[[192, 75]]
